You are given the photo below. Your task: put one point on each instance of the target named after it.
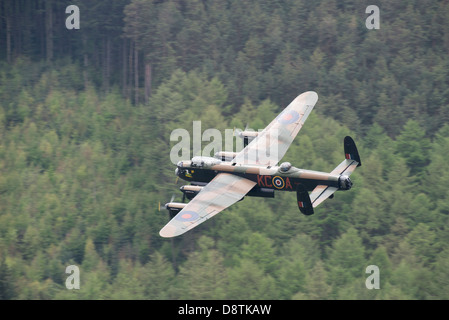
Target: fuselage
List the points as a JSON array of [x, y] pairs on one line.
[[282, 178]]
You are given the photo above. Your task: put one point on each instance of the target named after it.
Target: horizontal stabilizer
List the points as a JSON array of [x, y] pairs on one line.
[[345, 167], [321, 193]]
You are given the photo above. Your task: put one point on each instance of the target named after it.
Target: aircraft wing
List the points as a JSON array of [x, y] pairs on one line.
[[224, 190], [272, 143]]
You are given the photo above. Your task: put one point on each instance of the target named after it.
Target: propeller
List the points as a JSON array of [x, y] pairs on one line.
[[165, 205], [177, 176], [236, 132]]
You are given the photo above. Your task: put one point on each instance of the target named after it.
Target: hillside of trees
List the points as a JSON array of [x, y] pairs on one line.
[[85, 123]]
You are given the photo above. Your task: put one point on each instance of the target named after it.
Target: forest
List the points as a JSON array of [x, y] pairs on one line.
[[85, 122]]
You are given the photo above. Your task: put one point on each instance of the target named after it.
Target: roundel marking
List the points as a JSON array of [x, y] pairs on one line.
[[187, 216], [278, 182], [288, 117]]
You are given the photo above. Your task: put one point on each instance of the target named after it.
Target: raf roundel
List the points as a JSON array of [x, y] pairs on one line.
[[288, 117], [278, 182], [187, 216]]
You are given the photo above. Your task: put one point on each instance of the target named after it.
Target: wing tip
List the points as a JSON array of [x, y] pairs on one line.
[[309, 97], [311, 94], [170, 231]]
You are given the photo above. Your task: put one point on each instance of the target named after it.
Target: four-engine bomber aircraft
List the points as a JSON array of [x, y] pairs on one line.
[[217, 183]]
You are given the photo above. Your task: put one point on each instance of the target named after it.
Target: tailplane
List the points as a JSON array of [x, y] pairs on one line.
[[344, 170]]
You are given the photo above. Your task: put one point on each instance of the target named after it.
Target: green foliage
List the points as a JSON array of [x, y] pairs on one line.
[[257, 283], [203, 275], [413, 145], [7, 288], [345, 258]]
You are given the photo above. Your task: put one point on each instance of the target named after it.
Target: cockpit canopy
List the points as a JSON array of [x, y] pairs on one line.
[[200, 161], [285, 166]]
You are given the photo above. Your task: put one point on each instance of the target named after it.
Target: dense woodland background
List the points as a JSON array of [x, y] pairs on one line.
[[85, 122]]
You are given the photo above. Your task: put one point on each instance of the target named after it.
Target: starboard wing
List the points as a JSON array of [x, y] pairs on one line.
[[224, 190], [272, 143]]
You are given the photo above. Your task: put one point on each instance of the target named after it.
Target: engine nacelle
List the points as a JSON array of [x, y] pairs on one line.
[[174, 207], [344, 183], [190, 191], [248, 136], [247, 133], [225, 155]]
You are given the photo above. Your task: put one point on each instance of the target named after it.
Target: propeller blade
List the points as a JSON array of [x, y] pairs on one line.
[[236, 132], [165, 205]]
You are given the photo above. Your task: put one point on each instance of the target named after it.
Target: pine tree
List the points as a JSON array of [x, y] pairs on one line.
[[7, 287], [317, 287], [414, 146], [346, 259], [258, 284], [203, 275]]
